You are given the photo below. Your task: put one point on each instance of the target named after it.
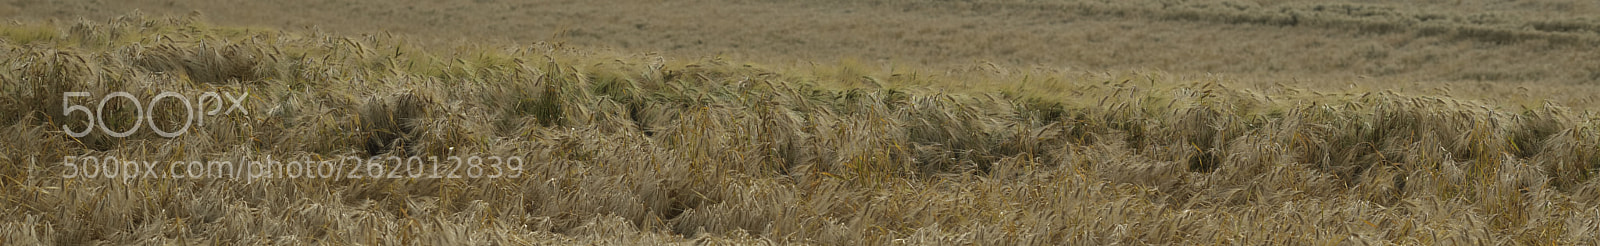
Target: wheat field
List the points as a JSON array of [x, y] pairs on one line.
[[1478, 129]]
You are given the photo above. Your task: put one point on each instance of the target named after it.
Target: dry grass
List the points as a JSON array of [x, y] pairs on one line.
[[1318, 42], [640, 149]]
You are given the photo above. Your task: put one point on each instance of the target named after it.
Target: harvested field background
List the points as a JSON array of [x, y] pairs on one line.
[[819, 122]]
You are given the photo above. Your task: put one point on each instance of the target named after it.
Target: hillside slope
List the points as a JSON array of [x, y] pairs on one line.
[[1317, 41]]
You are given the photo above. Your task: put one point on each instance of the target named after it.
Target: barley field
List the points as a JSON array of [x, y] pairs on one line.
[[826, 122]]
